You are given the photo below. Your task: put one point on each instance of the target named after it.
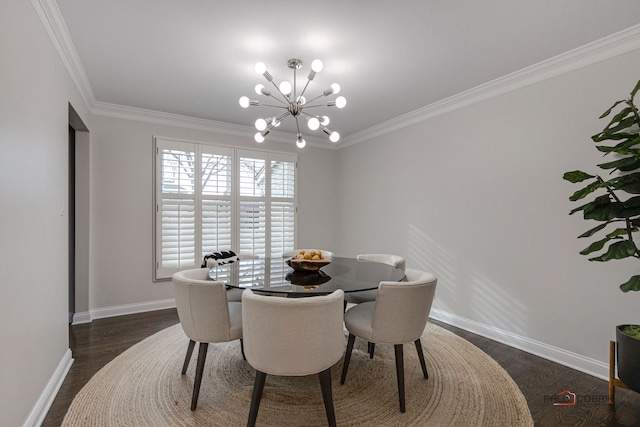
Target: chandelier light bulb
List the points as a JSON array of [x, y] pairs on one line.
[[341, 102], [300, 142], [261, 124], [324, 120], [313, 123], [317, 65], [244, 102], [302, 100], [334, 137], [285, 87], [260, 68], [259, 88], [336, 88], [258, 137]]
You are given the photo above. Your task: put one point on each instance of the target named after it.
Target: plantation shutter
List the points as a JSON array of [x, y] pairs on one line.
[[217, 222], [252, 201], [283, 204], [213, 198], [175, 207]]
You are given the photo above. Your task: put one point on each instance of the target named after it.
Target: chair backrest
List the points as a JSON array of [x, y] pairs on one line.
[[293, 336], [402, 308], [395, 260], [202, 306], [288, 254]]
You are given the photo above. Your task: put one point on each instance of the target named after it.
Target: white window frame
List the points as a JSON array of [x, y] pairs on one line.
[[159, 143]]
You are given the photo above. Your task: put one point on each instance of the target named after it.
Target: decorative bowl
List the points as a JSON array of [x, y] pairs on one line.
[[308, 279], [307, 264]]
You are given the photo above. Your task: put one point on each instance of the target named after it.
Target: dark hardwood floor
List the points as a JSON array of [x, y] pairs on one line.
[[95, 344]]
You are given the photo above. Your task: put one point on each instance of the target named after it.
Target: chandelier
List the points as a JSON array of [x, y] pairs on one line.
[[293, 103]]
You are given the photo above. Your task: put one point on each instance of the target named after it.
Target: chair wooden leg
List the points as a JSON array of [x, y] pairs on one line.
[[421, 357], [347, 358], [327, 396], [258, 386], [400, 375], [372, 348], [187, 359], [202, 356]]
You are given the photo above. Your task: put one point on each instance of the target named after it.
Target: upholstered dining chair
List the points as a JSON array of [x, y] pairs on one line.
[[293, 337], [206, 317], [235, 294], [325, 253], [398, 315], [368, 296]]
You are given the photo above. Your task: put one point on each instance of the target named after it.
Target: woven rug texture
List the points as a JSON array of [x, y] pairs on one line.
[[144, 387]]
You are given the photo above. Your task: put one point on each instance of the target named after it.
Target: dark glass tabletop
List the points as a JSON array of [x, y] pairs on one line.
[[274, 275]]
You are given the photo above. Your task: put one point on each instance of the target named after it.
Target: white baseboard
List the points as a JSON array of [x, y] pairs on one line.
[[79, 318], [572, 360], [121, 310], [39, 411]]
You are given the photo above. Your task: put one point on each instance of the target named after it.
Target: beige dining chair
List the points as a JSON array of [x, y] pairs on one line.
[[235, 294], [368, 296], [289, 254], [206, 317], [293, 337], [399, 315]]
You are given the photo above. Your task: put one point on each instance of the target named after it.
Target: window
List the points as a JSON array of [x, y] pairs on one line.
[[214, 198]]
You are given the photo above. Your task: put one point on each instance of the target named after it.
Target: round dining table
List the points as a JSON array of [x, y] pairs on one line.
[[275, 276]]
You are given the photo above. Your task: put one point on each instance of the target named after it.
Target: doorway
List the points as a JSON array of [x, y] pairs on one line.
[[78, 217]]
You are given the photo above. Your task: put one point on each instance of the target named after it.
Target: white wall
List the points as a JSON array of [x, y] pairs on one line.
[[122, 210], [477, 196], [35, 91]]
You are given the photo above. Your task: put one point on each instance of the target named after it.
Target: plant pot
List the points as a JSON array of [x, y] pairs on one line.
[[628, 359]]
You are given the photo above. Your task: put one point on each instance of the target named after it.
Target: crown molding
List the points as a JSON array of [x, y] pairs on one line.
[[608, 47], [51, 19], [169, 119]]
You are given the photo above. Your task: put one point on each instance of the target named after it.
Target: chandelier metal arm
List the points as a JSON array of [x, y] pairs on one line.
[[285, 106], [332, 104]]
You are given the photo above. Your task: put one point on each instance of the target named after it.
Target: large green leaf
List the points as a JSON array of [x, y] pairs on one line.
[[629, 183], [606, 113], [620, 163], [602, 211], [576, 176], [630, 167], [614, 136], [618, 250], [580, 194], [594, 230], [596, 246], [632, 284], [618, 119], [620, 232]]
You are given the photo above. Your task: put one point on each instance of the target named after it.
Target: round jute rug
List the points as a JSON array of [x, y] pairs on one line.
[[144, 387]]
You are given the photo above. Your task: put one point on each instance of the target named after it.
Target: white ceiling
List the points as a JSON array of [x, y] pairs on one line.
[[196, 58]]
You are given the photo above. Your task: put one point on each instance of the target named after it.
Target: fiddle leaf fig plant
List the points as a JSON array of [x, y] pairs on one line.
[[616, 197]]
